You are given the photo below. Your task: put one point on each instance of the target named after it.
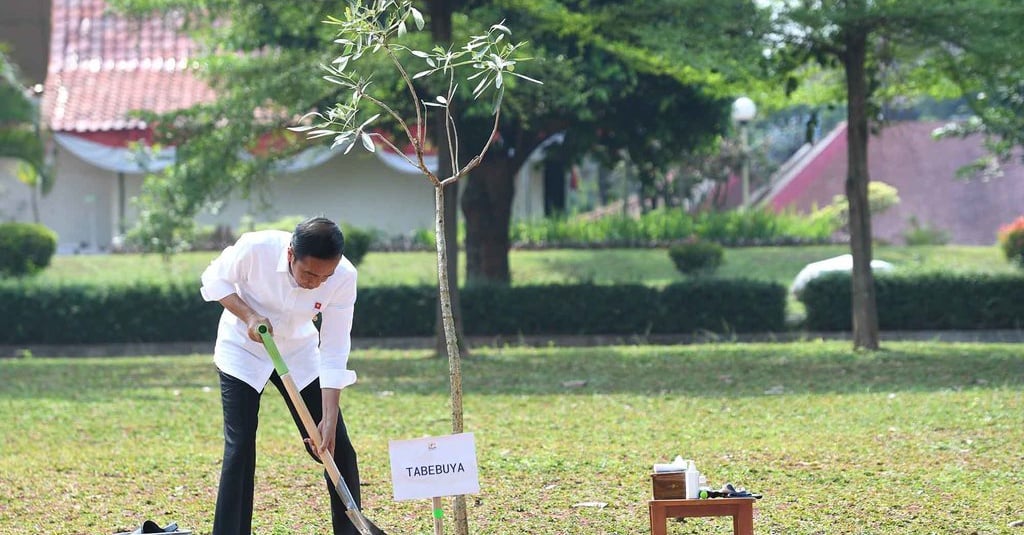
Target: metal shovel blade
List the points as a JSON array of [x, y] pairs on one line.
[[363, 524]]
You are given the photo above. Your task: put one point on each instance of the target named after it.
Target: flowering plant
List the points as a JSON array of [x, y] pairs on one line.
[[1011, 239]]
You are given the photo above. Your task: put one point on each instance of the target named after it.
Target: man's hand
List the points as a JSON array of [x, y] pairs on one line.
[[328, 426], [253, 322], [244, 312], [327, 430]]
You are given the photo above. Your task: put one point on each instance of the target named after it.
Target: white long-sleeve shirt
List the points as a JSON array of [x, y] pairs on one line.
[[256, 268]]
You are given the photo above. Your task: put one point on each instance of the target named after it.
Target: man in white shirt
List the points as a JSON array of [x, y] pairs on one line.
[[283, 281]]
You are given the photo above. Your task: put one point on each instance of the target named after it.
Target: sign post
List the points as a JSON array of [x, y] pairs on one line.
[[432, 467]]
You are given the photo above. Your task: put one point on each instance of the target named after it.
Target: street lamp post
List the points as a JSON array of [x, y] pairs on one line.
[[743, 111]]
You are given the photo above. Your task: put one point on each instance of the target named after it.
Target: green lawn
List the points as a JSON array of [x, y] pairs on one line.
[[919, 438], [604, 266]]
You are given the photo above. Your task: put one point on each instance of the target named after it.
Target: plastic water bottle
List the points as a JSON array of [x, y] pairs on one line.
[[692, 482]]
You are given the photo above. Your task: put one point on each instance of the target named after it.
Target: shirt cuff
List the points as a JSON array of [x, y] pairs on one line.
[[216, 290], [337, 378]]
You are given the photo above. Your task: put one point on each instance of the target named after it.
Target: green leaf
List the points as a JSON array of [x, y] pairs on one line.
[[417, 17], [367, 142]]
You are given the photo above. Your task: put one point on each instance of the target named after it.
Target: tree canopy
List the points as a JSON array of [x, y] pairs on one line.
[[19, 119], [20, 133], [887, 49], [635, 81], [632, 82]]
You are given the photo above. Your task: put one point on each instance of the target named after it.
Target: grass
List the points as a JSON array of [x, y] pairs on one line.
[[602, 266], [919, 438]]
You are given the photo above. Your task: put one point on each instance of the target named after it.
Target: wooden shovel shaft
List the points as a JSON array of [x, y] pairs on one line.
[[352, 510]]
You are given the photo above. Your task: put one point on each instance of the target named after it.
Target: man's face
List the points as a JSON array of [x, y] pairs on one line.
[[311, 272]]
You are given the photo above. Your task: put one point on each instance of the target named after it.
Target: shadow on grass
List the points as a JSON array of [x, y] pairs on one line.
[[712, 371], [86, 379]]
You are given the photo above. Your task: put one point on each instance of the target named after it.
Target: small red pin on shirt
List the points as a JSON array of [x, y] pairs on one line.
[[317, 305]]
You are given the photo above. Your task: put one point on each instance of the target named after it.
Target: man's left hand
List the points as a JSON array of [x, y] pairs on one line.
[[328, 426]]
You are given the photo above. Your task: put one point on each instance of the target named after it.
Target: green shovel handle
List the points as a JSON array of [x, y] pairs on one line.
[[275, 355]]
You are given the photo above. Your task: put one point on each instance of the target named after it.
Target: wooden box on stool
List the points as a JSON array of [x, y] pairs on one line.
[[669, 485]]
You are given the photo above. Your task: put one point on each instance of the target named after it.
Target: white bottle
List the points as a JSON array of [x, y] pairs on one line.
[[692, 481]]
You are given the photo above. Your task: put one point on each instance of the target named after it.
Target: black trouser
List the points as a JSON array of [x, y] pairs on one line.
[[241, 404]]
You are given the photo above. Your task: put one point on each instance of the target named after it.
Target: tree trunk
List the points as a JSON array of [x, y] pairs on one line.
[[34, 200], [449, 312], [864, 311], [451, 196], [487, 207], [604, 186], [451, 342]]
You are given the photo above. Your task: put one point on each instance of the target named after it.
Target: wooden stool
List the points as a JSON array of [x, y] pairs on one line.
[[740, 509]]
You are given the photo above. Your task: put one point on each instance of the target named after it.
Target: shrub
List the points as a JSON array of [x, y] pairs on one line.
[[357, 243], [25, 248], [424, 238], [1011, 239], [159, 232], [357, 240], [286, 224], [919, 234], [696, 257], [881, 197], [664, 226], [213, 238]]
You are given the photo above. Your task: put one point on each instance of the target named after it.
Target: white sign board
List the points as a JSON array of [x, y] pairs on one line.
[[432, 467]]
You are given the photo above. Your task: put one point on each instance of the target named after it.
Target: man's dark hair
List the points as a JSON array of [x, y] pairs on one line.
[[318, 237]]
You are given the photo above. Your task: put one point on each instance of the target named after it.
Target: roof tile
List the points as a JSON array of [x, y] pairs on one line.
[[104, 65]]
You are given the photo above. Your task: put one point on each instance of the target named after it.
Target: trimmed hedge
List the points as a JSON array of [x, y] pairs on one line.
[[921, 301], [73, 314], [70, 314]]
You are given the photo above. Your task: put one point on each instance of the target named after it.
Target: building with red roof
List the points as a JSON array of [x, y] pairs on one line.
[[96, 67], [102, 66]]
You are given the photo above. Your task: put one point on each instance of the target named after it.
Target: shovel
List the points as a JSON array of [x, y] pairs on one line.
[[361, 523]]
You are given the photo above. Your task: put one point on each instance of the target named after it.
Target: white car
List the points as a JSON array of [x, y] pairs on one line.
[[839, 263]]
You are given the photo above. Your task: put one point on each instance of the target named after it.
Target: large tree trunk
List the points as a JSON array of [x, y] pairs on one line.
[[487, 207], [864, 311]]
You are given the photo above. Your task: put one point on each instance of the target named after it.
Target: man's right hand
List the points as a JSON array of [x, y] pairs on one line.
[[244, 312], [253, 323]]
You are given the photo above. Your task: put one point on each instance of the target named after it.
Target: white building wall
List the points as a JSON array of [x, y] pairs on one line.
[[529, 194], [15, 197], [78, 209], [358, 189]]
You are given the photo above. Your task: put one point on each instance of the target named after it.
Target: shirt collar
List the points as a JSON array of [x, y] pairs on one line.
[[283, 267], [282, 264]]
